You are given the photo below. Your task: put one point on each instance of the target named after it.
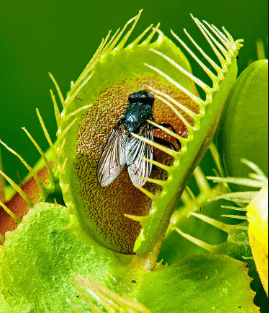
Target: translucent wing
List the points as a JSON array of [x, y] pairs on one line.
[[137, 149], [112, 158]]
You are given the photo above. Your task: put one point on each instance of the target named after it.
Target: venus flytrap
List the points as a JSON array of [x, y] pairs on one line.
[[129, 73], [243, 131], [198, 123], [255, 204], [114, 234], [205, 224], [245, 113]]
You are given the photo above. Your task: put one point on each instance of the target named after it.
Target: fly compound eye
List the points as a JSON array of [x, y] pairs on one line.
[[141, 96]]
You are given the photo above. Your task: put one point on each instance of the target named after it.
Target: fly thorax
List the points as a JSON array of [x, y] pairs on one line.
[[136, 116]]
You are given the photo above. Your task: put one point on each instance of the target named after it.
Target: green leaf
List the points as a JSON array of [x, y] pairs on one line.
[[257, 226], [199, 283], [243, 131], [208, 231], [38, 259]]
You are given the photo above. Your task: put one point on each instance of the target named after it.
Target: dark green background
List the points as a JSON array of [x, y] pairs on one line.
[[61, 36]]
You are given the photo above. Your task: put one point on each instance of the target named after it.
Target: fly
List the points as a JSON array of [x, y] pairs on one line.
[[123, 150]]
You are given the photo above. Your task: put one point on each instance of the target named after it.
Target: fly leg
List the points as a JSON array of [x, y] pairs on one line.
[[164, 143], [167, 125]]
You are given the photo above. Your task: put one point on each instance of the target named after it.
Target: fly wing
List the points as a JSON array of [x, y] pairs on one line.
[[137, 149], [112, 158]]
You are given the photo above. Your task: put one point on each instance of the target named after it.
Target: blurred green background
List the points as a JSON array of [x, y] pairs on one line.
[[61, 36]]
